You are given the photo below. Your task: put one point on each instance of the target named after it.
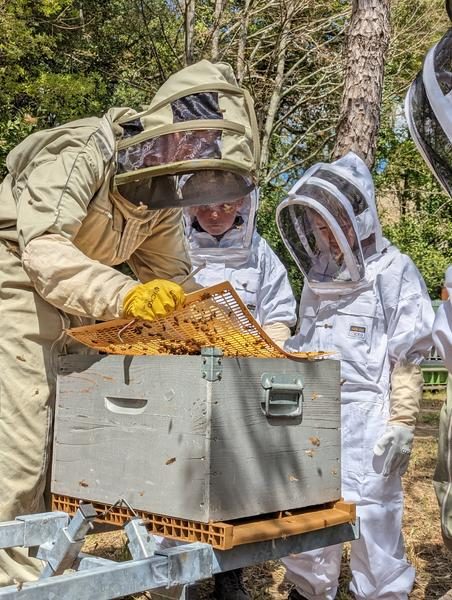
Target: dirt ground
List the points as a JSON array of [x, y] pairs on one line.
[[424, 545]]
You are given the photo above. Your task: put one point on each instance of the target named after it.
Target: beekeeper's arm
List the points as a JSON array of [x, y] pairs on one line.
[[409, 339], [165, 252], [51, 208], [276, 306]]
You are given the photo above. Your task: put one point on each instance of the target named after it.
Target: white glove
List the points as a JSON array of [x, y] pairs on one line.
[[396, 441]]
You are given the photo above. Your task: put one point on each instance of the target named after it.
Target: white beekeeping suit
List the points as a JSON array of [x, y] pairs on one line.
[[242, 257], [442, 327], [428, 108], [223, 239], [366, 301]]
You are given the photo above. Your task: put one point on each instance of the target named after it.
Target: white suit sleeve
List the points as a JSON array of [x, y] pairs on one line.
[[308, 301], [409, 313], [442, 333], [275, 299], [442, 327]]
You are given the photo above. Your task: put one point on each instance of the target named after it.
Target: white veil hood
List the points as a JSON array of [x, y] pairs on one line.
[[352, 168], [344, 186], [234, 247]]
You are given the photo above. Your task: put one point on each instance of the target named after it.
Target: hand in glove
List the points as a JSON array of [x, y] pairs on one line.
[[154, 299], [396, 441]]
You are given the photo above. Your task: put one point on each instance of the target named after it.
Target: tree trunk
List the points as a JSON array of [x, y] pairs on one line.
[[367, 42], [188, 10], [244, 22], [275, 99], [219, 6]]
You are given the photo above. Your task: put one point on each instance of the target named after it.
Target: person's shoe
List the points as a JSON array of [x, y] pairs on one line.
[[229, 586], [295, 595]]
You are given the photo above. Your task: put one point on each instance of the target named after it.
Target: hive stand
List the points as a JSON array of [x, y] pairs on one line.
[[57, 539]]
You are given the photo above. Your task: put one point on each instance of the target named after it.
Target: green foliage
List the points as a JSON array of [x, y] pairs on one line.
[[13, 131], [427, 239], [415, 212], [63, 59], [66, 95]]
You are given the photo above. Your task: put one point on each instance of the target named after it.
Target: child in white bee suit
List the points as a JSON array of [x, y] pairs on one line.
[[222, 237], [367, 301]]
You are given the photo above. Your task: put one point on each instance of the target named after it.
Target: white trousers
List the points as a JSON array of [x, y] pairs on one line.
[[377, 560]]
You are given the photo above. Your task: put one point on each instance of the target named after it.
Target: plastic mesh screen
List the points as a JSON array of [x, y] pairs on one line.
[[213, 316], [218, 535], [222, 536]]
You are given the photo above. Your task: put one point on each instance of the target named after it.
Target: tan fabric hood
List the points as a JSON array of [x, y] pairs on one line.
[[190, 127]]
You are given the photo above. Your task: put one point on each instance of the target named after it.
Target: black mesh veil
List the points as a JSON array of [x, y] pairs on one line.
[[429, 135], [425, 125]]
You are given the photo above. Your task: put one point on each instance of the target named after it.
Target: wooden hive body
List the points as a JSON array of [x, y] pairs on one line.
[[156, 431]]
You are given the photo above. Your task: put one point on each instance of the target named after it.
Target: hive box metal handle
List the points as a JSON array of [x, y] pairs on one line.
[[125, 406], [283, 395]]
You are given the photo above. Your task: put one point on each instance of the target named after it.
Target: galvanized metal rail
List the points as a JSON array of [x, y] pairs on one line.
[[57, 539]]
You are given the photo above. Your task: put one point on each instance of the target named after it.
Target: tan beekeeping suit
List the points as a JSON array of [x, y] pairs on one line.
[[64, 225], [61, 230]]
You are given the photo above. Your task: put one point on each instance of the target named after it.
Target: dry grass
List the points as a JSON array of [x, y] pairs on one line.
[[422, 537], [423, 540]]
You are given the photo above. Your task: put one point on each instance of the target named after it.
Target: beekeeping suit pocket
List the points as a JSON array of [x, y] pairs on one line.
[[246, 282], [363, 423], [361, 323]]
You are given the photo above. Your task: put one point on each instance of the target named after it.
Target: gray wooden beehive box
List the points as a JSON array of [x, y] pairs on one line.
[[198, 437]]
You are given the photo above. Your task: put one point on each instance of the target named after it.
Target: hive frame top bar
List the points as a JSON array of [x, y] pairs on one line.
[[211, 317]]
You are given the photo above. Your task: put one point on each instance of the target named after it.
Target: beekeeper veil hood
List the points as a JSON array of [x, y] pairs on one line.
[[220, 231], [330, 225], [428, 109], [200, 121]]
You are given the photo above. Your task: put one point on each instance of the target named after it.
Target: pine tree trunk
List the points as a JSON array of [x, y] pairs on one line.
[[367, 42], [219, 6], [188, 10], [280, 54]]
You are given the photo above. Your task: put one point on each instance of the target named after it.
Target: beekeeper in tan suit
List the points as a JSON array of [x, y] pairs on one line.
[[79, 199]]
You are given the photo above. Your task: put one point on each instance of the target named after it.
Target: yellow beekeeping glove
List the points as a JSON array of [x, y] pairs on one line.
[[153, 299]]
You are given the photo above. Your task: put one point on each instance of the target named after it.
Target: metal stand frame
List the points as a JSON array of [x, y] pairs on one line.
[[57, 539]]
